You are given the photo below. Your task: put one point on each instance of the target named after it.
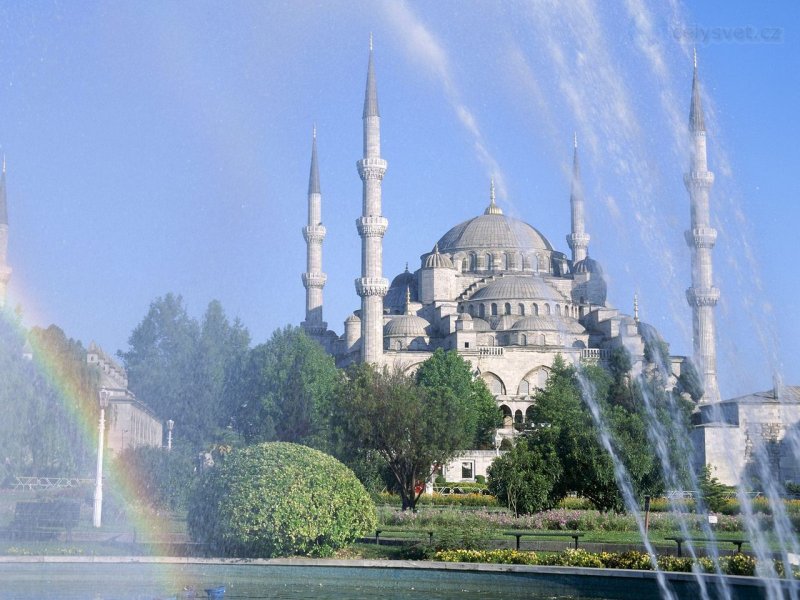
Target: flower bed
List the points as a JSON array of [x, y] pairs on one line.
[[736, 564]]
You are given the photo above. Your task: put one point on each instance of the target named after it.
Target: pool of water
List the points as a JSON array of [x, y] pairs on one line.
[[129, 581]]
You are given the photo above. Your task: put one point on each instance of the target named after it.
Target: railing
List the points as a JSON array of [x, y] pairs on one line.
[[49, 483], [490, 350], [595, 354]]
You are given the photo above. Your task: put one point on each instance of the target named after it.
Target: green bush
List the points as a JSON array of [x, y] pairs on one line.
[[470, 536], [279, 499], [162, 479], [480, 479]]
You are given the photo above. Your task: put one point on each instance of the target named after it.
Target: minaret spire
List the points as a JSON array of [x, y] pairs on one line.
[[314, 233], [636, 307], [578, 239], [5, 270], [492, 209], [371, 286], [702, 295]]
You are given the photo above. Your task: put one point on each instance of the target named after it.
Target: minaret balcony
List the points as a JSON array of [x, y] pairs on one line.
[[314, 233], [371, 168], [578, 240], [314, 280], [701, 237], [702, 296], [372, 286], [372, 226], [698, 179]]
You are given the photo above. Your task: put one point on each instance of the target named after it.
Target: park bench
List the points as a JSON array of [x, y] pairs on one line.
[[378, 532], [45, 519], [519, 534], [680, 540]]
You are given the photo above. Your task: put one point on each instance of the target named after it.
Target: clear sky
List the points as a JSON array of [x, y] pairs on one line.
[[159, 147]]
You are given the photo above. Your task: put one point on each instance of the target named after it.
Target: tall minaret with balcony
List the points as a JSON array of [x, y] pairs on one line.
[[578, 239], [702, 296], [5, 270], [314, 279], [371, 286]]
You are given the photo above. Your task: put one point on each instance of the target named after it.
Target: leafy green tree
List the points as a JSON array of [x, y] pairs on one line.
[[410, 428], [182, 368], [526, 477], [162, 479], [448, 374], [279, 499], [285, 390], [713, 493]]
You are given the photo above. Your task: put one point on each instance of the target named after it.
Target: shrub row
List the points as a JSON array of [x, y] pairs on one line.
[[470, 499], [736, 564], [729, 506]]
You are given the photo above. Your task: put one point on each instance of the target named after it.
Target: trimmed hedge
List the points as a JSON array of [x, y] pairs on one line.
[[279, 499]]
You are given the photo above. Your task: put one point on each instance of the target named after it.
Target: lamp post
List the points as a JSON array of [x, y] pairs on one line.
[[170, 425], [98, 487]]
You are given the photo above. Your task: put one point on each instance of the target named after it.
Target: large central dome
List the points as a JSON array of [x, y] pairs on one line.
[[493, 230]]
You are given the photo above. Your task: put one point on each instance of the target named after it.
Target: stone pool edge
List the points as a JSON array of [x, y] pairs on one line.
[[382, 564]]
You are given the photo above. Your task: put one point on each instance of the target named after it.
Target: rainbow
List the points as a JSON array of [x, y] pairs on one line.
[[82, 414]]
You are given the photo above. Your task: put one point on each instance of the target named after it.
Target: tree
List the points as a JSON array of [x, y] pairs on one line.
[[279, 499], [448, 374], [411, 428], [285, 390], [182, 369], [526, 477]]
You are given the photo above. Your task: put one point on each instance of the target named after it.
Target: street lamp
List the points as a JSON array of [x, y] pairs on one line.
[[98, 486], [170, 425]]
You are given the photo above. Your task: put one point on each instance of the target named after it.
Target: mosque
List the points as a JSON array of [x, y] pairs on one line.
[[497, 291]]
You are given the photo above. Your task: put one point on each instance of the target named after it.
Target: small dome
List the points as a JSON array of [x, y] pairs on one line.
[[493, 231], [518, 287], [407, 326], [548, 323], [503, 322], [436, 260], [352, 319], [395, 299], [587, 265], [465, 317]]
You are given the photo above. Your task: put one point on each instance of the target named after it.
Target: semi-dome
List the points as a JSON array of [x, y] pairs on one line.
[[407, 326], [587, 265], [548, 323], [479, 324], [493, 230], [518, 287]]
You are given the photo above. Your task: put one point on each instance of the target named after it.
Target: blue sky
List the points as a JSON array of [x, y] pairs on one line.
[[160, 147]]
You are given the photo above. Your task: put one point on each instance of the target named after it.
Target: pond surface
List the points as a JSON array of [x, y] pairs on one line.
[[129, 581]]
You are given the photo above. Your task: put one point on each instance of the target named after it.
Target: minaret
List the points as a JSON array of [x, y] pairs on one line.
[[702, 296], [578, 239], [371, 286], [314, 279], [5, 270]]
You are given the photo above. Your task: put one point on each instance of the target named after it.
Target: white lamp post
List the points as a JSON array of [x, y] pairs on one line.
[[98, 487], [170, 425]]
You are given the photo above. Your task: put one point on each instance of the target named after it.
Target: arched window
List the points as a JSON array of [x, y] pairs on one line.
[[558, 310], [482, 310], [529, 414], [542, 340], [473, 261], [494, 309], [518, 416], [546, 308], [521, 309], [507, 308], [508, 420], [489, 262], [523, 340], [524, 388], [535, 310], [465, 264], [494, 383], [471, 310], [511, 262]]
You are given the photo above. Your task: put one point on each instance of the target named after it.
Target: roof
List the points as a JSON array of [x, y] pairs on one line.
[[493, 231], [518, 287], [548, 323], [437, 260], [587, 265], [407, 326]]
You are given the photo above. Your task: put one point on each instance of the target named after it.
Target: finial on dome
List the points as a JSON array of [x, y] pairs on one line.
[[575, 140], [314, 131], [436, 248], [636, 307], [408, 299], [493, 209], [406, 267]]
